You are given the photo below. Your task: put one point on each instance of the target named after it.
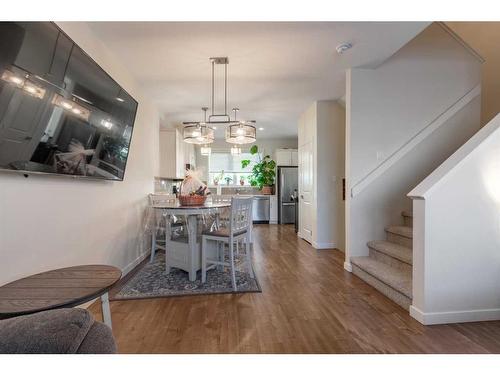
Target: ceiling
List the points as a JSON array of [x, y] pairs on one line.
[[276, 69]]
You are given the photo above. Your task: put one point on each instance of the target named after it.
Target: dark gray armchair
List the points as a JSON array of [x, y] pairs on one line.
[[61, 331]]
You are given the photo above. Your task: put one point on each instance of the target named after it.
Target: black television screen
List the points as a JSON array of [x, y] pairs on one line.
[[59, 111]]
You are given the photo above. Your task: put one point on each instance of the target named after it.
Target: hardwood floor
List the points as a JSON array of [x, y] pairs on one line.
[[308, 304]]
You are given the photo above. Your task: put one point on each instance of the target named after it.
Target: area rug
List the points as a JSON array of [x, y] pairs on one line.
[[151, 281]]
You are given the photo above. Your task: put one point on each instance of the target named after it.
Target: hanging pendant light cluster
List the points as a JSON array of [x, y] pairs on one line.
[[237, 132]]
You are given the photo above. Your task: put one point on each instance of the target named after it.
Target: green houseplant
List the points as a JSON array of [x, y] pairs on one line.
[[263, 172]]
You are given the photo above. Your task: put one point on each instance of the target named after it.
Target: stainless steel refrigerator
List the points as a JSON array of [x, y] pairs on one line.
[[288, 185]]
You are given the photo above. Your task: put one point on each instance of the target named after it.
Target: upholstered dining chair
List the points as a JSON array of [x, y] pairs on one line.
[[238, 228]]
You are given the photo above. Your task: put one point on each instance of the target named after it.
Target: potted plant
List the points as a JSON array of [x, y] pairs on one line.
[[242, 180], [263, 172], [228, 180]]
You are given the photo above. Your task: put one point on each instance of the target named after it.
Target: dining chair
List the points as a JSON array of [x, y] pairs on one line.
[[160, 221], [222, 217], [238, 228]]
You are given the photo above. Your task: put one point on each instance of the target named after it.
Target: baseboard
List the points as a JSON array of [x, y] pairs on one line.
[[449, 317], [323, 245], [129, 267], [273, 222], [348, 266], [87, 304]]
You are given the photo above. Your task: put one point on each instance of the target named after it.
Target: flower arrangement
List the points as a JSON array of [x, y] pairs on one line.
[[193, 191]]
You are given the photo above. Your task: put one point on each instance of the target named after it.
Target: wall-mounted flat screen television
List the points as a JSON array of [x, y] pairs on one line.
[[60, 113]]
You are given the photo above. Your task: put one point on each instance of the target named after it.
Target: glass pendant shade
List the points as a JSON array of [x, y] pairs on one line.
[[23, 83], [241, 134], [71, 107], [205, 150], [235, 150], [198, 134]]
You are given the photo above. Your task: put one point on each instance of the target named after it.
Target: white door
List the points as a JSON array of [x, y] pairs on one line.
[[305, 190], [20, 125]]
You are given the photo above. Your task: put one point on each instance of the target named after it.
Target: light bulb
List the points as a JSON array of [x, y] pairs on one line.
[[120, 99], [107, 124], [30, 89], [16, 80], [196, 133], [76, 110], [66, 105], [240, 131]]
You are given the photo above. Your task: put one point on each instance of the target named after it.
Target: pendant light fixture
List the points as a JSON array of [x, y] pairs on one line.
[[235, 150], [205, 150], [238, 132], [198, 133]]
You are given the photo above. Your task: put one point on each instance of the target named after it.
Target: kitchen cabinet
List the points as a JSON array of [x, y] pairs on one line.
[[273, 209], [38, 48], [174, 154], [286, 157]]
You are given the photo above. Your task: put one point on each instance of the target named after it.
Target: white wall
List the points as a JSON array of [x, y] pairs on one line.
[[391, 107], [48, 222], [457, 250], [392, 103], [484, 37]]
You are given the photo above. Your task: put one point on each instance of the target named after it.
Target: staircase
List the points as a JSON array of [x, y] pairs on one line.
[[388, 267]]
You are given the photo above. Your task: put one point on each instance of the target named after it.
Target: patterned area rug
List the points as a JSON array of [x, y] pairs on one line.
[[151, 281]]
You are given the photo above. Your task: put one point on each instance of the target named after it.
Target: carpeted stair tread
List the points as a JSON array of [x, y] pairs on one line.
[[394, 250], [395, 278], [400, 230], [407, 213]]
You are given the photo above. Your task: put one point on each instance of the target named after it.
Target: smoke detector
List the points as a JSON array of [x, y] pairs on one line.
[[341, 48]]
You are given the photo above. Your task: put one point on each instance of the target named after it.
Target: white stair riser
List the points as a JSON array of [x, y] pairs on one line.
[[408, 221], [389, 260], [383, 288], [400, 240]]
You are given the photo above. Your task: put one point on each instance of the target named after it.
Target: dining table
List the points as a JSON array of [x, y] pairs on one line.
[[179, 254]]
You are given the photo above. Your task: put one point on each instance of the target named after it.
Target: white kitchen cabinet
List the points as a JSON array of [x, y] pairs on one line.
[[286, 157], [295, 158], [273, 209], [174, 154]]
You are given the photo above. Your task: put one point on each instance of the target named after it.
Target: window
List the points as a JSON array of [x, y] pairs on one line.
[[222, 165]]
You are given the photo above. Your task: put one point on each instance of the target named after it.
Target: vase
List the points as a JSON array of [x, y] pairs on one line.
[[267, 190]]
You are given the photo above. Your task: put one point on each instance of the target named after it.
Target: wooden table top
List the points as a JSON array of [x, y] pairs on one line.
[[64, 287]]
